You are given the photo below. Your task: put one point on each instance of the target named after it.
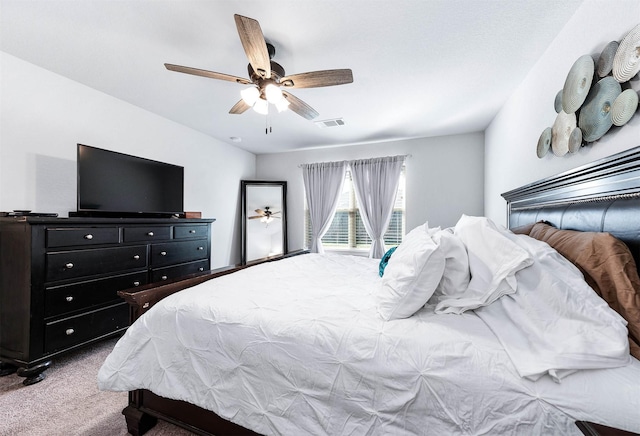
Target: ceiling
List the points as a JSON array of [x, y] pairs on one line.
[[420, 68]]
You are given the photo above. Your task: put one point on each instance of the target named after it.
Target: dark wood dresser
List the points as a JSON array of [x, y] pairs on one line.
[[59, 279]]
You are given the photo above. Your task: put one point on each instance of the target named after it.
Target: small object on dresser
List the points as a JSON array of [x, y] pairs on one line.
[[193, 214], [18, 213]]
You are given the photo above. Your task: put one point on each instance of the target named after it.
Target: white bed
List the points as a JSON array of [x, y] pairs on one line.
[[298, 347]]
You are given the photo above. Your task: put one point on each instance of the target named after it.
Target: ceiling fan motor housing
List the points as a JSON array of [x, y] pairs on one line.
[[277, 72]]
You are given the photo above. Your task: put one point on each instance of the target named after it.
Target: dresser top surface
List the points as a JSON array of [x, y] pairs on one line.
[[92, 220]]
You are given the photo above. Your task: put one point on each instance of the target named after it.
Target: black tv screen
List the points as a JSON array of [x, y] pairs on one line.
[[111, 184]]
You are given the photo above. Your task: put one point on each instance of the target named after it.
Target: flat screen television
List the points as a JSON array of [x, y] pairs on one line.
[[120, 185]]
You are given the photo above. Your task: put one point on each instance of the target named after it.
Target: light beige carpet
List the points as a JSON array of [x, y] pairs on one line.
[[67, 402]]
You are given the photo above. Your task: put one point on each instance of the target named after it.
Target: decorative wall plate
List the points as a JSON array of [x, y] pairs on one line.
[[592, 98], [624, 106], [557, 104], [595, 114], [561, 131], [544, 143], [626, 62], [605, 61], [575, 140], [576, 86]]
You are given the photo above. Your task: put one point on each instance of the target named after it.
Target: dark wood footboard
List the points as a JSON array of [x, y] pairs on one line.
[[145, 408]]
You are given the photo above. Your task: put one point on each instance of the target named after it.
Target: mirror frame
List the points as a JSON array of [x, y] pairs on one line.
[[266, 183]]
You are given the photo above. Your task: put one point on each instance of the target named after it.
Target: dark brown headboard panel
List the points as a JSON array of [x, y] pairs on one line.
[[603, 196]]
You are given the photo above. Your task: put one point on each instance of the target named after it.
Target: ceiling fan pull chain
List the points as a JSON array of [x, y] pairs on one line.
[[267, 125]]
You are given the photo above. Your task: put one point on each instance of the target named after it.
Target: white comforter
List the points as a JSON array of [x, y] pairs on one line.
[[296, 347]]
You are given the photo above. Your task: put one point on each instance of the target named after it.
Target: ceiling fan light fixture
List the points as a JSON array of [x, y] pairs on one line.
[[261, 106], [273, 93], [282, 104], [250, 95]]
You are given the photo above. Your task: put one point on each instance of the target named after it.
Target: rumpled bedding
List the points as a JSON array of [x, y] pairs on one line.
[[494, 260], [297, 347], [548, 318]]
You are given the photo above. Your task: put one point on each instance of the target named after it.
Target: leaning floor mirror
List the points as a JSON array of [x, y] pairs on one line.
[[264, 219]]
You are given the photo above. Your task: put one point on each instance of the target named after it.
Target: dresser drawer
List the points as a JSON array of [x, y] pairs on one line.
[[69, 298], [78, 329], [174, 272], [147, 234], [66, 237], [64, 265], [178, 252], [193, 231]]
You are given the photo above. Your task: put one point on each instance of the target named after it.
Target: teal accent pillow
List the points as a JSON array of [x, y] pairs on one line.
[[385, 260]]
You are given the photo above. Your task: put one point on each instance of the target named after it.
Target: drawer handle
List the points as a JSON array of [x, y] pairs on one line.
[[200, 269], [200, 248], [136, 283], [69, 265], [69, 298], [136, 257], [164, 277], [150, 234], [192, 231], [89, 236], [69, 332], [163, 253]]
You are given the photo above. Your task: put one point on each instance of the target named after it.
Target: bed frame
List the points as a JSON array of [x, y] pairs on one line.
[[600, 196], [603, 196]]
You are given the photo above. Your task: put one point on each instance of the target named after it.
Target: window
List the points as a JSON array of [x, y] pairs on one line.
[[347, 229]]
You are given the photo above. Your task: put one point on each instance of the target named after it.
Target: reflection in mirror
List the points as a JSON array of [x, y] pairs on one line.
[[264, 219]]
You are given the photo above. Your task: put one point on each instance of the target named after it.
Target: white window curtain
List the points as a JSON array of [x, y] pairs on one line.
[[322, 184], [376, 183]]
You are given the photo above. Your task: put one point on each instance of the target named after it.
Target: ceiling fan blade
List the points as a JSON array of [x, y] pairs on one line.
[[259, 211], [300, 107], [316, 79], [206, 73], [254, 217], [239, 107], [254, 45]]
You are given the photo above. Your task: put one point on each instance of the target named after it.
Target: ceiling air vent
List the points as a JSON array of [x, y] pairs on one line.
[[330, 123]]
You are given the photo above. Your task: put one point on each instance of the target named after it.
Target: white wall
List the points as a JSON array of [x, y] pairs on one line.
[[444, 177], [43, 116], [511, 139]]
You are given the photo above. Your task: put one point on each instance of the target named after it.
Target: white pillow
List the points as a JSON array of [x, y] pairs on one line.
[[456, 270], [411, 276], [493, 262]]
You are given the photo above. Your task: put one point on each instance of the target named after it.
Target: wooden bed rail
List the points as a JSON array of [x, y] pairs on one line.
[[142, 298]]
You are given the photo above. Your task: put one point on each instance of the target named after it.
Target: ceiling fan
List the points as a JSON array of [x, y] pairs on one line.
[[269, 76], [265, 215]]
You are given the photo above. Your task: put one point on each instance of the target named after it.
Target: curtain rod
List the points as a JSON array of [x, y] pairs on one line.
[[406, 156]]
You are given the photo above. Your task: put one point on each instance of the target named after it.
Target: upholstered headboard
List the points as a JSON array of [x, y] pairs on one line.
[[603, 196]]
